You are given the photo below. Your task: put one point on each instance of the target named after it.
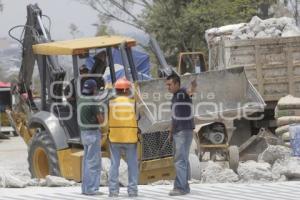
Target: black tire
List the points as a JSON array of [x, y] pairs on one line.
[[42, 156], [233, 157]]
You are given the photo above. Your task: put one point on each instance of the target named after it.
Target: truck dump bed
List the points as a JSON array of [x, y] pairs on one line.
[[222, 93], [272, 64]]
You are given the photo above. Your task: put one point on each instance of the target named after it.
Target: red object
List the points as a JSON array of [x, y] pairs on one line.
[[4, 84], [24, 96], [122, 83]]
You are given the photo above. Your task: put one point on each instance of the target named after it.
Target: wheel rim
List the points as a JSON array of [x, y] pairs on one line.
[[40, 163]]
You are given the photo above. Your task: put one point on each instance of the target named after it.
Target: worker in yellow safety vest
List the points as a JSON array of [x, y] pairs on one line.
[[123, 137]]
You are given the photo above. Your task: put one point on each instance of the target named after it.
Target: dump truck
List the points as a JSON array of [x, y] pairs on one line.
[[272, 65], [49, 125]]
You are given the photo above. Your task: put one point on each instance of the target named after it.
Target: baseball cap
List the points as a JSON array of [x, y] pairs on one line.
[[88, 86]]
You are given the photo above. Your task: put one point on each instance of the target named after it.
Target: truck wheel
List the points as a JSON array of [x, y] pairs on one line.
[[233, 157], [42, 156]]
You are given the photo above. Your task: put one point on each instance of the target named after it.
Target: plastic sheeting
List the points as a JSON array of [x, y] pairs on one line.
[[141, 61], [294, 130]]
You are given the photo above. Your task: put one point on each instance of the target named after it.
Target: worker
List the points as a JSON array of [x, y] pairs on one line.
[[91, 116], [123, 137], [70, 90], [98, 66], [181, 131]]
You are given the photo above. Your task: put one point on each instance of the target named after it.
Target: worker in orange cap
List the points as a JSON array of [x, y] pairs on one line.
[[123, 137]]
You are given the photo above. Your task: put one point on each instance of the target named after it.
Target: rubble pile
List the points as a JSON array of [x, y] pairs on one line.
[[273, 153], [255, 171], [7, 180], [15, 180], [288, 167], [274, 164], [214, 172], [287, 113], [54, 181], [256, 28], [123, 172]]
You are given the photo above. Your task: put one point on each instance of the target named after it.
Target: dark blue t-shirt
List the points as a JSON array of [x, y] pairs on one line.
[[182, 112]]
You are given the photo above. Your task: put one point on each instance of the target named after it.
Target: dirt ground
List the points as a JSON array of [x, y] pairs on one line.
[[13, 155]]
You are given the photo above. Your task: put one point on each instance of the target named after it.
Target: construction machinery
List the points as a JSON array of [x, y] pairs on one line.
[[271, 65], [191, 62], [49, 124], [5, 103], [221, 99]]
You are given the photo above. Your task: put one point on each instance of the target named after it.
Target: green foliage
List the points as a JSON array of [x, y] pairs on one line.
[[118, 10], [180, 25], [74, 30], [1, 6]]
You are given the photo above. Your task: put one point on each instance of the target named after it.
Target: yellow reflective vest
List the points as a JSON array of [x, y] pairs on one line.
[[122, 120]]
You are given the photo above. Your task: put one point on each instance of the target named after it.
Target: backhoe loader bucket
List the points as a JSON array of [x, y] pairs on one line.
[[225, 94]]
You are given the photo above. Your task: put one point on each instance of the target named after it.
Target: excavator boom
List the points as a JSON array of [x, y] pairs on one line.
[[49, 69]]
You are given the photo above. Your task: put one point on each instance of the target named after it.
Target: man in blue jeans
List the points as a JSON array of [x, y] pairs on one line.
[[91, 116], [123, 137], [181, 131]]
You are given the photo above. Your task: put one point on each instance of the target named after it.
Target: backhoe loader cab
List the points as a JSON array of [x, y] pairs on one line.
[[87, 53], [191, 62]]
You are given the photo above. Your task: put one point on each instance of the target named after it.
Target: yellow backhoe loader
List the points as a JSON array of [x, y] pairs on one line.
[[49, 125]]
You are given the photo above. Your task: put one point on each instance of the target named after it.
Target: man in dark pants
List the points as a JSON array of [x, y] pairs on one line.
[[181, 131]]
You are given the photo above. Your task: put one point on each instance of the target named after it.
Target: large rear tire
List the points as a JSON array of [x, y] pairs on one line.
[[42, 156]]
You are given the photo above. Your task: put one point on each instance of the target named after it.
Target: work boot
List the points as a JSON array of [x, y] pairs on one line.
[[176, 192], [98, 193], [113, 195], [132, 194], [95, 193]]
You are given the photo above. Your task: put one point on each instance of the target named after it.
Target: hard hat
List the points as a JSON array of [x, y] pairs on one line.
[[122, 83]]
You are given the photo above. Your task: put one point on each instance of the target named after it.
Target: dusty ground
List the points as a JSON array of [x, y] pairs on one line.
[[13, 155]]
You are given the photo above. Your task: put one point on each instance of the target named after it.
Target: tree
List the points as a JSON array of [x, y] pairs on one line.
[[103, 28], [119, 10], [1, 6], [179, 25], [74, 30], [123, 11]]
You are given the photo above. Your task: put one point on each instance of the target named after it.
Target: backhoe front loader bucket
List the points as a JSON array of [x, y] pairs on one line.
[[224, 94]]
